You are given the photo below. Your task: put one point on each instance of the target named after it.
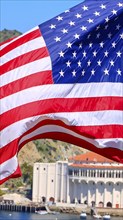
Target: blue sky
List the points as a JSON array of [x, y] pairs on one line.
[[23, 15]]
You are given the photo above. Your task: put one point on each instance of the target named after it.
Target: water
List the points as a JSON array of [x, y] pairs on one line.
[[7, 215]]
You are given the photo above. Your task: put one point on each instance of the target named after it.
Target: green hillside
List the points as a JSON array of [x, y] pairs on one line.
[[7, 34]]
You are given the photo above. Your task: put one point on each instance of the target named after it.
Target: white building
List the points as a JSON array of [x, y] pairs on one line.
[[88, 178]]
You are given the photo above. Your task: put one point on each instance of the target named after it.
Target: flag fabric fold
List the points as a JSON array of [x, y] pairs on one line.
[[64, 80]]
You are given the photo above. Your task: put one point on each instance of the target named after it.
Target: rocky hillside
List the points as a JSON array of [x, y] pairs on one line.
[[39, 150], [7, 34]]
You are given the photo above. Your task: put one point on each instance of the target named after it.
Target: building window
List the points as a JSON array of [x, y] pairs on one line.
[[52, 181], [100, 173], [44, 169], [37, 168], [110, 174]]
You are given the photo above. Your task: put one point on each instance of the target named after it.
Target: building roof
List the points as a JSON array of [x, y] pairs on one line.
[[91, 157], [96, 166]]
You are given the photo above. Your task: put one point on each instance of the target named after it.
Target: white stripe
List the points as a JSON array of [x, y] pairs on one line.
[[12, 132], [26, 70], [59, 91], [6, 44], [24, 48], [58, 129], [8, 167]]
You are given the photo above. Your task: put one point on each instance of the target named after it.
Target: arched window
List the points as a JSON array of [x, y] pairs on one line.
[[109, 204]]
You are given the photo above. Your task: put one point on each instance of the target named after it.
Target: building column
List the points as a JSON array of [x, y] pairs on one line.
[[113, 196], [75, 197], [121, 196], [56, 181], [96, 196], [88, 199], [68, 192], [61, 193], [104, 195]]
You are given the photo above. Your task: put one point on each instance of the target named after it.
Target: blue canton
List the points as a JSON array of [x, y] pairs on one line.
[[86, 43]]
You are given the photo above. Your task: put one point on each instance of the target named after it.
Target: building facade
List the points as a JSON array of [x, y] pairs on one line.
[[86, 179]]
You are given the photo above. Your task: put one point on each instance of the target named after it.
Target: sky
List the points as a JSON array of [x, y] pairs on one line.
[[22, 15]]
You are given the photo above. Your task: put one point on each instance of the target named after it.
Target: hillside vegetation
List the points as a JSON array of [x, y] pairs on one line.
[[40, 150], [8, 34]]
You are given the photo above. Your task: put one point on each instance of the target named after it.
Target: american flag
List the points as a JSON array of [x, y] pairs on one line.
[[63, 80]]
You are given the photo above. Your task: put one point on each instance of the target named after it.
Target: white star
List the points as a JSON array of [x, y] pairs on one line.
[[84, 28], [64, 31], [67, 11], [107, 19], [103, 6], [96, 13], [95, 53], [92, 72], [121, 36], [74, 73], [118, 27], [61, 73], [106, 27], [114, 12], [90, 45], [106, 53], [114, 44], [59, 18], [106, 71], [119, 72], [68, 63], [69, 45], [83, 72], [119, 54], [89, 62], [52, 26], [99, 62], [71, 23], [85, 8], [79, 63], [80, 45], [109, 35], [98, 35], [78, 15], [89, 35], [84, 53], [76, 36], [74, 54], [61, 54], [90, 20], [57, 39], [102, 44], [112, 63], [120, 4], [97, 28]]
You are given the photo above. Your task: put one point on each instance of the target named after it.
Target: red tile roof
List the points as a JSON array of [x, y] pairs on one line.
[[91, 157]]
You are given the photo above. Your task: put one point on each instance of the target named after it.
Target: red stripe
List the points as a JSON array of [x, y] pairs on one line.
[[24, 59], [7, 41], [8, 151], [16, 174], [35, 79], [60, 105], [106, 152], [12, 147], [21, 40]]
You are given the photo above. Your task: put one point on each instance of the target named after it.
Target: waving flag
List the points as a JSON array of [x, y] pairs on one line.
[[63, 80]]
